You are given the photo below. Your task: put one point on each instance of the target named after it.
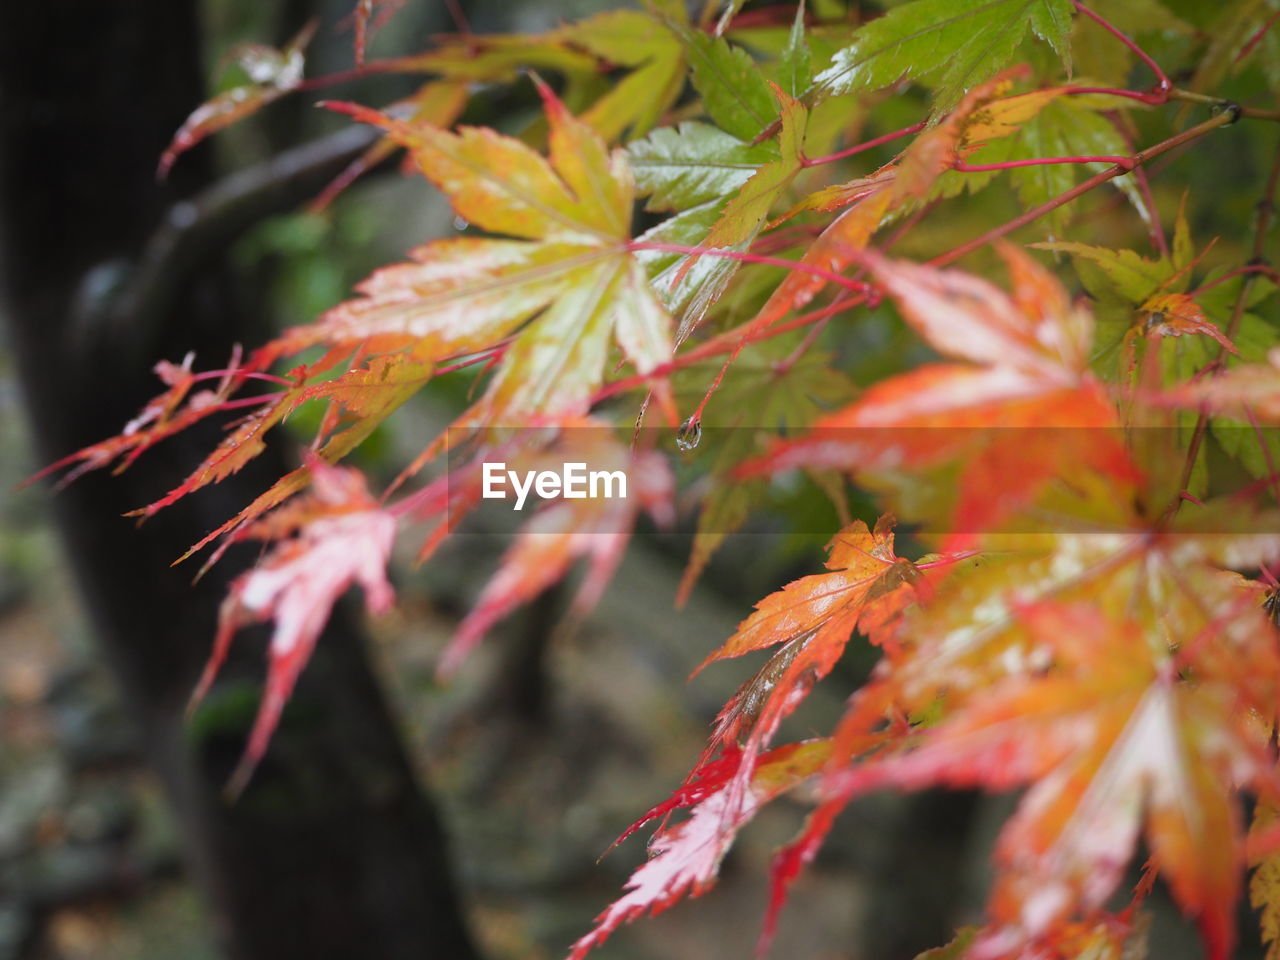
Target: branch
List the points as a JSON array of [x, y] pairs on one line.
[[963, 167], [1162, 80], [796, 265], [726, 342], [1191, 133], [1257, 37], [194, 232], [1219, 103], [859, 148]]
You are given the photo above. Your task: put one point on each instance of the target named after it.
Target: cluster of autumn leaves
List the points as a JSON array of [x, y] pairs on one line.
[[1094, 625]]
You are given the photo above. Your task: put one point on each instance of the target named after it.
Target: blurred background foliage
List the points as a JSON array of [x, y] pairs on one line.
[[552, 739]]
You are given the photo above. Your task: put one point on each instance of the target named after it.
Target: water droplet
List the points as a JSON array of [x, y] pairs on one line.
[[460, 224], [689, 434]]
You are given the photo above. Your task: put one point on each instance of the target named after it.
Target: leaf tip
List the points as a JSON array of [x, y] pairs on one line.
[[549, 98]]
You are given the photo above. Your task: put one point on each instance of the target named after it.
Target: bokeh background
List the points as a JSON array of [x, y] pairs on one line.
[[394, 817]]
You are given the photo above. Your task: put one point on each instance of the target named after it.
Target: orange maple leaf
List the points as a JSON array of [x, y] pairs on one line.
[[1021, 410]]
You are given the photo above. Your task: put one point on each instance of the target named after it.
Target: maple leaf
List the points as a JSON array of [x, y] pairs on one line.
[[687, 286], [734, 92], [1102, 937], [951, 45], [1061, 624], [580, 51], [1177, 315], [693, 163], [987, 121], [836, 247], [359, 400], [437, 102], [957, 949], [1119, 273], [172, 411], [685, 858], [1247, 392], [688, 168], [746, 212], [1110, 739], [702, 164], [272, 73], [740, 219], [1141, 306], [1171, 579], [979, 119], [1190, 367], [1264, 885], [497, 57], [562, 531], [1069, 126], [631, 38], [824, 609], [812, 619], [1027, 357], [698, 170], [1116, 663], [793, 72], [562, 289], [342, 537]]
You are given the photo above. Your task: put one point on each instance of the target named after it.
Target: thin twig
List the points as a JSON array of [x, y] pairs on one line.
[[1257, 37], [861, 147], [1150, 99], [1142, 156], [1252, 113], [1265, 269], [963, 167], [726, 342], [796, 265], [1162, 80]]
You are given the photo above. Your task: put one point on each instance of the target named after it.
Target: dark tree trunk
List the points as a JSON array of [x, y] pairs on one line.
[[333, 851]]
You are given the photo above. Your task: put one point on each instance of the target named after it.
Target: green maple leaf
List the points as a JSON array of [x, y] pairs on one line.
[[1115, 274], [730, 184], [633, 39], [734, 91], [694, 163], [687, 291], [746, 212], [949, 45], [794, 69], [1067, 126]]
